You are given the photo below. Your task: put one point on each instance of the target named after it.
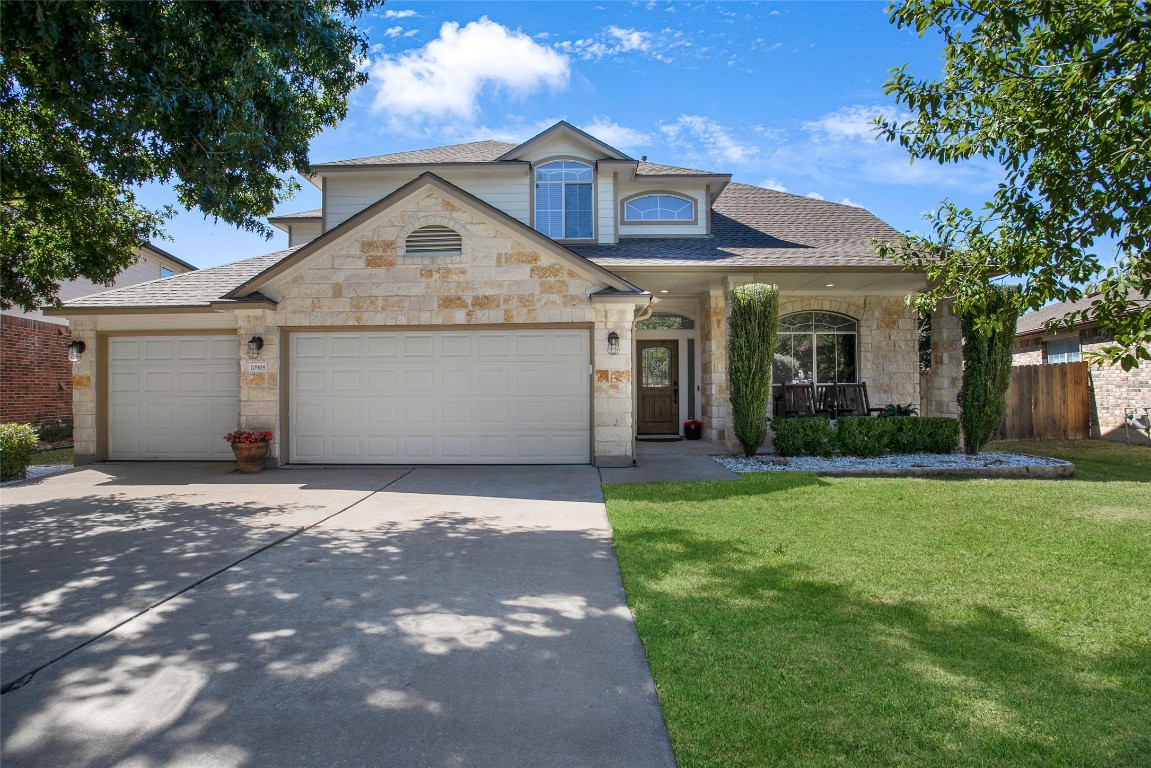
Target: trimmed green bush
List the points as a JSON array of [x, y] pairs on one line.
[[988, 343], [752, 328], [796, 437], [55, 431], [863, 435], [937, 434], [17, 444]]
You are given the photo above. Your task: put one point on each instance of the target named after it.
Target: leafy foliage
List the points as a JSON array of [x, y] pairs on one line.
[[17, 444], [863, 435], [753, 326], [55, 431], [934, 434], [795, 437], [987, 350], [98, 98], [1058, 92]]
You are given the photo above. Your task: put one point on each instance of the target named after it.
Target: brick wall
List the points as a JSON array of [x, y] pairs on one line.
[[1114, 389], [35, 375]]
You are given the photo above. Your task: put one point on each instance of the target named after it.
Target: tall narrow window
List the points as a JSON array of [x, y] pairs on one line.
[[564, 200]]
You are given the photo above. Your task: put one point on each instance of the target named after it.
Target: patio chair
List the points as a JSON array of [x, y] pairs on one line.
[[845, 400], [795, 400]]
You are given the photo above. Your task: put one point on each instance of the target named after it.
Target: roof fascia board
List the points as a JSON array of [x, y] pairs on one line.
[[487, 167], [153, 310], [565, 128], [350, 225], [743, 268], [169, 256]]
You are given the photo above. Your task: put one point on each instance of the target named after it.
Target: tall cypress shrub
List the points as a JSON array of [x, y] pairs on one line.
[[752, 329], [987, 349]]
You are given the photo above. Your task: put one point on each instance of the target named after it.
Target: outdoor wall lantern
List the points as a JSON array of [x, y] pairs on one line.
[[255, 344], [613, 343], [75, 349]]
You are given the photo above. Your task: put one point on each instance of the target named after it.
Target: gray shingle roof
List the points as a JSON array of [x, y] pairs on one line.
[[655, 169], [755, 227], [1032, 322], [473, 152], [189, 289]]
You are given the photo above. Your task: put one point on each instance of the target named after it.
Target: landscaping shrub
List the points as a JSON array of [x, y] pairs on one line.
[[752, 330], [55, 431], [795, 437], [863, 435], [987, 367], [17, 444], [929, 435]]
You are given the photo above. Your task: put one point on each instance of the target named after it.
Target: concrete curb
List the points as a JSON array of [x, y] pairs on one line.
[[1034, 472]]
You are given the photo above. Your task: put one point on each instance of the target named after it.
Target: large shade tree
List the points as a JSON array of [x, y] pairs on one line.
[[219, 99], [1058, 92]]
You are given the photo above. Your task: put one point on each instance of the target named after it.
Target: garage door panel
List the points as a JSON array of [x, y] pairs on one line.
[[172, 398], [516, 396]]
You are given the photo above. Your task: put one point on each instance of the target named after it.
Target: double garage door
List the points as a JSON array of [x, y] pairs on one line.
[[435, 397], [440, 397]]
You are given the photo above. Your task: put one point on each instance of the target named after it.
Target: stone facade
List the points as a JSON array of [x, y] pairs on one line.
[[939, 387], [888, 342], [84, 391], [370, 282], [714, 401]]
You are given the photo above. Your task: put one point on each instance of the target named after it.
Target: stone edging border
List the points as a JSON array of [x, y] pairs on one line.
[[1034, 472]]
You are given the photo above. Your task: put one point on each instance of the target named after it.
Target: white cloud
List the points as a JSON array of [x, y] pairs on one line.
[[815, 196], [445, 78], [514, 133], [406, 14], [849, 201], [773, 183], [850, 123], [694, 132], [394, 31], [616, 135], [614, 41]]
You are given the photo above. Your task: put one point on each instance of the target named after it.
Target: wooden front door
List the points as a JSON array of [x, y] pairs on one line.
[[658, 387]]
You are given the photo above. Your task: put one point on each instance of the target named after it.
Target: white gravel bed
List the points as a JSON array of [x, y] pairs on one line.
[[40, 470], [895, 461]]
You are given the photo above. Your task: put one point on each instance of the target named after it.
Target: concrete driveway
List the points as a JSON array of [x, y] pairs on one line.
[[318, 617]]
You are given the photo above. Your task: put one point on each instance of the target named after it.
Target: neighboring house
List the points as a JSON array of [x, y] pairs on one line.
[[492, 303], [1114, 391], [35, 375]]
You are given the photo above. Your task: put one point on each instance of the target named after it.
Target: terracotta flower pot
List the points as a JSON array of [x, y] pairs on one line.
[[250, 456]]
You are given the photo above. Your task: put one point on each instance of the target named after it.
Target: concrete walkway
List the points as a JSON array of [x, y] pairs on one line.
[[680, 461], [357, 617]]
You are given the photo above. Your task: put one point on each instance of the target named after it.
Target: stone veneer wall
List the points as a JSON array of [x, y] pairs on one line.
[[888, 342], [84, 391], [370, 282], [714, 401], [939, 387]]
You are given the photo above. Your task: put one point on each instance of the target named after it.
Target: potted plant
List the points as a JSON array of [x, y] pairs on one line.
[[250, 449], [693, 428]]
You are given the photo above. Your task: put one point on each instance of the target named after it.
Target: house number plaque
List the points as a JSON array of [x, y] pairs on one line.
[[257, 367]]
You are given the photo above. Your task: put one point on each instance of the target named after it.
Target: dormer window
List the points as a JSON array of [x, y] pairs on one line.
[[434, 240], [659, 208], [564, 200]]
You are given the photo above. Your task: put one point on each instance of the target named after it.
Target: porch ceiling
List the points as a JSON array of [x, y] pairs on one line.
[[669, 284]]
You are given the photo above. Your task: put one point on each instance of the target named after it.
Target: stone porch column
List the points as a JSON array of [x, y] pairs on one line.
[[84, 391], [940, 385], [260, 391], [714, 402], [613, 403]]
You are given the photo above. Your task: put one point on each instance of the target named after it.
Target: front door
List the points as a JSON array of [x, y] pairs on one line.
[[658, 387]]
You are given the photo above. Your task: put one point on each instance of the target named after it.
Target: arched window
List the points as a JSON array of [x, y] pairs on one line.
[[659, 208], [434, 240], [819, 347], [564, 200]]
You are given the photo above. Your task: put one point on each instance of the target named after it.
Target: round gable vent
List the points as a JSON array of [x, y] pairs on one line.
[[434, 240]]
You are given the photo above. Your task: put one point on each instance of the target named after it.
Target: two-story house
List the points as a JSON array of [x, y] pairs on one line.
[[493, 303]]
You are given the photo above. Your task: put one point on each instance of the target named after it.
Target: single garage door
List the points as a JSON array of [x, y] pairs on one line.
[[431, 397], [172, 397]]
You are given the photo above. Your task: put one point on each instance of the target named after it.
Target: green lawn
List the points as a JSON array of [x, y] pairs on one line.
[[793, 620], [54, 457]]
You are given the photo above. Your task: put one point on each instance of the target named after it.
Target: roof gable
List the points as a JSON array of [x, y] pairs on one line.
[[417, 186], [564, 130]]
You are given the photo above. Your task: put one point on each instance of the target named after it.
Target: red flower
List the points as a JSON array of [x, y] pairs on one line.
[[244, 436]]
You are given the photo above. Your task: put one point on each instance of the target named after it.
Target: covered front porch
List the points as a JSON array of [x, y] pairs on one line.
[[846, 338]]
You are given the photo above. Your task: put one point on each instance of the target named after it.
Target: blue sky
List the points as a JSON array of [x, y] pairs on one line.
[[779, 94]]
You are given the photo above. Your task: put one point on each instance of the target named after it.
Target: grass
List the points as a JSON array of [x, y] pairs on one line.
[[54, 457], [792, 620]]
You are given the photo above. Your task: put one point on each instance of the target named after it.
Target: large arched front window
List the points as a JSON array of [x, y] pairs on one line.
[[816, 347], [564, 200]]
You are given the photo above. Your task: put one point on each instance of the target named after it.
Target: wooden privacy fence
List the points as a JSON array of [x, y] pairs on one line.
[[1048, 402]]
